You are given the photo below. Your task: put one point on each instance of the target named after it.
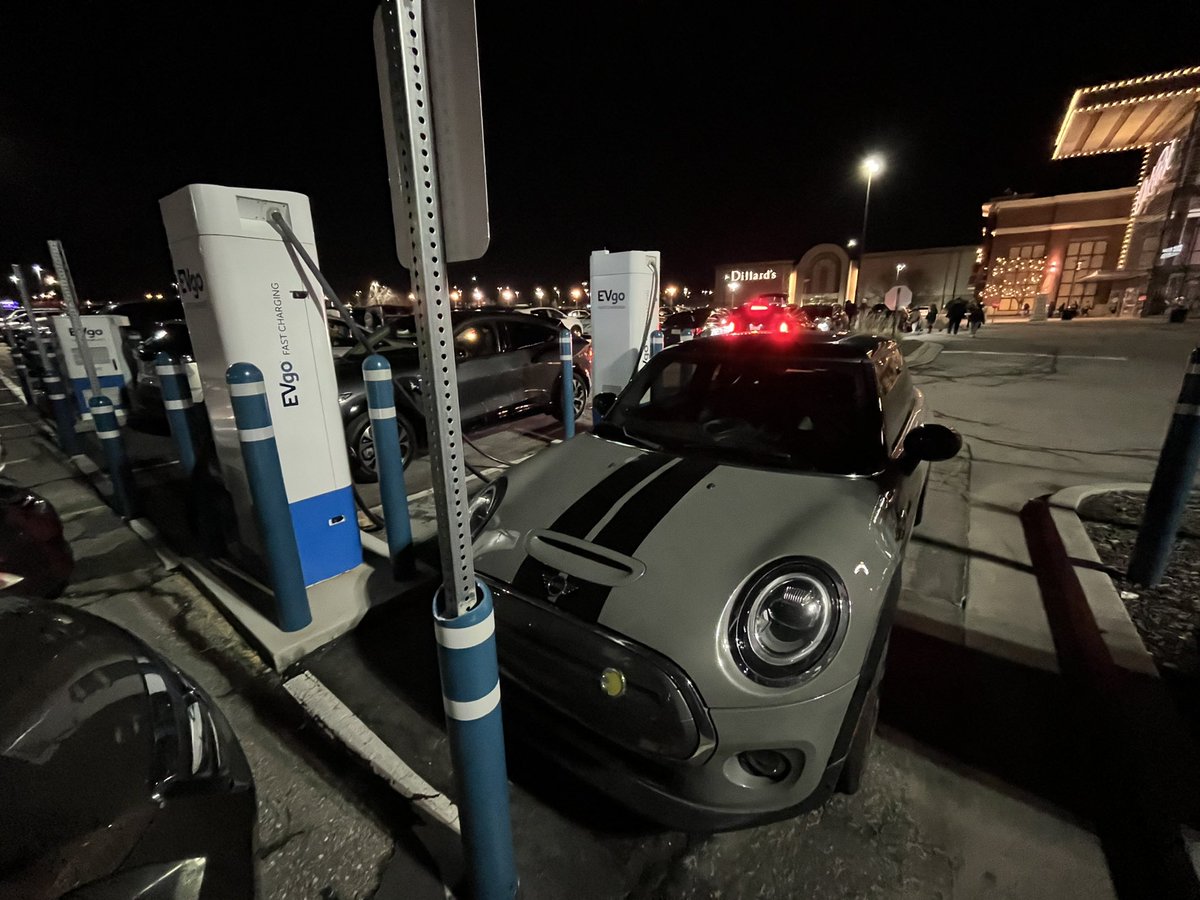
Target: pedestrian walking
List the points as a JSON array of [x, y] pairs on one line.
[[975, 317], [956, 309], [931, 317]]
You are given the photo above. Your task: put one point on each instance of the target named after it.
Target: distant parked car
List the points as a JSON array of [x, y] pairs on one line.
[[766, 312], [143, 315], [579, 325], [821, 316], [172, 338], [689, 324], [119, 778], [507, 364]]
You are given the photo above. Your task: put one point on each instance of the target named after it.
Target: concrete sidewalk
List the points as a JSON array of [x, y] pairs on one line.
[[323, 829]]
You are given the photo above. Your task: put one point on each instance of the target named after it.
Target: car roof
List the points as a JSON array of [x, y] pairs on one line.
[[815, 346]]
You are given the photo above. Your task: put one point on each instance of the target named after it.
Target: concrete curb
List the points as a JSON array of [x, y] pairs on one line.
[[923, 355], [1120, 634]]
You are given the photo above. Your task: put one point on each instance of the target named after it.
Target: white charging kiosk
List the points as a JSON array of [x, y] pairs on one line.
[[102, 337], [244, 301], [624, 289]]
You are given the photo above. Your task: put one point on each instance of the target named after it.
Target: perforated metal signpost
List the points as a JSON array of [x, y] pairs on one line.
[[414, 89]]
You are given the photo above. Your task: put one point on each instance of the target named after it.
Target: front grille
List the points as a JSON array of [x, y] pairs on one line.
[[559, 659]]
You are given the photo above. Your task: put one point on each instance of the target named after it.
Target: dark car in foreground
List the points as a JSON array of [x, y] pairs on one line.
[[693, 602], [507, 365], [119, 777]]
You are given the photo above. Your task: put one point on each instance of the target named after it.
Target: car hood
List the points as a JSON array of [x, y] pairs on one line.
[[657, 547]]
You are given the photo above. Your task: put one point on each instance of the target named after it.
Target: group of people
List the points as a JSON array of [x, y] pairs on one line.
[[956, 311]]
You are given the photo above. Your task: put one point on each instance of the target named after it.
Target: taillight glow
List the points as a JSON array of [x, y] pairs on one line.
[[759, 307], [783, 327]]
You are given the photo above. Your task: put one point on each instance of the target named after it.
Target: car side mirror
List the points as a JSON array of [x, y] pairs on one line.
[[931, 443], [603, 403]]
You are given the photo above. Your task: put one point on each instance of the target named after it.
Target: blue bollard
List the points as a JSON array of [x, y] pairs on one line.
[[1172, 485], [656, 342], [23, 379], [389, 462], [566, 352], [64, 415], [177, 398], [265, 476], [109, 433], [466, 647]]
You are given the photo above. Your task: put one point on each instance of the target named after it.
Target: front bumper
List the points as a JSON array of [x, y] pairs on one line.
[[709, 789]]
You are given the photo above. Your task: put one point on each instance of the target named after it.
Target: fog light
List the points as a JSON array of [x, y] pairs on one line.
[[765, 764], [612, 682]]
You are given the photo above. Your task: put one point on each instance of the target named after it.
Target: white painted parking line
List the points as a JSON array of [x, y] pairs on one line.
[[342, 723], [1043, 355]]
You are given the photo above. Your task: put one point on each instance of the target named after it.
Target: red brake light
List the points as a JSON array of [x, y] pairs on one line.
[[783, 327], [759, 307]]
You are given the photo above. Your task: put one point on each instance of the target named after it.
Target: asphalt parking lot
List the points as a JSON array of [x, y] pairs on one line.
[[972, 788]]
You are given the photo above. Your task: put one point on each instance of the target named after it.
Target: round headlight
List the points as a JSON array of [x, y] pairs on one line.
[[788, 622], [482, 506]]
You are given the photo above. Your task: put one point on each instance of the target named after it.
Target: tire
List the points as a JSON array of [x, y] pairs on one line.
[[361, 446], [581, 392], [850, 779]]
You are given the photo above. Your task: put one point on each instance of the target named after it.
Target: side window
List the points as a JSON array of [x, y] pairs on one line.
[[475, 341], [523, 335]]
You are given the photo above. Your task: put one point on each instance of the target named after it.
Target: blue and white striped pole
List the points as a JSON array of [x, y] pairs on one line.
[[109, 432], [64, 414], [23, 378], [265, 476], [466, 647], [1172, 485], [656, 342], [177, 398], [566, 352], [389, 462]]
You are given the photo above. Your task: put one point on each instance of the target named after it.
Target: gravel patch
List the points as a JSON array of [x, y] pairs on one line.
[[1168, 616]]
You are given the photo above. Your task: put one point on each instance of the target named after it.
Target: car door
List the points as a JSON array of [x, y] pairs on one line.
[[898, 402], [533, 347], [486, 383]]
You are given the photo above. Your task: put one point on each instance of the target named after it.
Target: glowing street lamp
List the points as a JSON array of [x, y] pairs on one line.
[[871, 166], [671, 291], [506, 295], [733, 287], [852, 243], [539, 293]]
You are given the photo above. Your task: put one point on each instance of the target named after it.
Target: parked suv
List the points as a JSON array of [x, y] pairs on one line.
[[507, 365]]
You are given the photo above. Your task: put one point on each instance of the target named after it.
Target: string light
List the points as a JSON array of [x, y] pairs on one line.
[[1016, 278], [1128, 238]]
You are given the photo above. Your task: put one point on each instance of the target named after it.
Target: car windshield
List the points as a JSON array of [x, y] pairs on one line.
[[399, 333], [776, 409]]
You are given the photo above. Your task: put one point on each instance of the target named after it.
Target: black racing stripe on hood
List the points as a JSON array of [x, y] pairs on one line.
[[644, 511], [625, 532], [585, 513]]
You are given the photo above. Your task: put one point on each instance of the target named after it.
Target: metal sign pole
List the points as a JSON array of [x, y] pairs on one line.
[[59, 258], [464, 623], [423, 255]]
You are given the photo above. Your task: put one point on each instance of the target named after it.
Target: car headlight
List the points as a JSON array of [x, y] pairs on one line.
[[824, 325], [483, 505], [788, 622]]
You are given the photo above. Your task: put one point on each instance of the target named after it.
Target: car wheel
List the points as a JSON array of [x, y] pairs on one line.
[[360, 441], [579, 394], [850, 779]]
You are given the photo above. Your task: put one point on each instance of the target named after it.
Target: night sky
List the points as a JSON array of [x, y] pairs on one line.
[[619, 124]]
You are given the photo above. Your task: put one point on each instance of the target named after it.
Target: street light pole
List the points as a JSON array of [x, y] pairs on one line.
[[872, 166]]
